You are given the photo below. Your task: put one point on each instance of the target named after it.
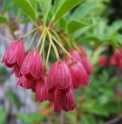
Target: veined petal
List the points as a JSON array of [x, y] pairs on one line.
[[27, 64], [28, 84], [36, 69]]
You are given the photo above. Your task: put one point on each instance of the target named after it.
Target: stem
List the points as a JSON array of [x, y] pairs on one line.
[[30, 32], [32, 41], [61, 46], [67, 41], [43, 41], [48, 55], [56, 36], [54, 47], [40, 39]]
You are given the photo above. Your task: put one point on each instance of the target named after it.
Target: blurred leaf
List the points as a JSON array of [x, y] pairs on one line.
[[3, 20], [71, 116], [3, 116], [36, 118], [14, 99], [16, 11], [25, 118], [27, 8], [99, 110], [88, 119], [103, 99], [25, 20], [107, 91], [3, 74], [112, 107], [79, 32], [45, 7], [66, 6], [75, 25], [7, 5], [83, 10], [115, 26]]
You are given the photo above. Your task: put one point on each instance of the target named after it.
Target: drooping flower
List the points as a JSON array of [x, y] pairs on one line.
[[75, 55], [26, 83], [103, 61], [79, 74], [15, 54], [87, 65], [41, 91], [59, 77], [63, 101], [32, 65]]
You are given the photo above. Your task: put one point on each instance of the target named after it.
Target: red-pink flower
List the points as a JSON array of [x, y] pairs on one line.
[[63, 101], [75, 55], [41, 91], [59, 77], [15, 54], [26, 83], [32, 65], [87, 65], [103, 61], [79, 74]]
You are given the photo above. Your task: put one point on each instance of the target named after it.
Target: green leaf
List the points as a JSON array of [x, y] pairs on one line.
[[66, 6], [33, 4], [3, 20], [75, 25], [57, 4], [83, 10], [27, 8], [45, 7]]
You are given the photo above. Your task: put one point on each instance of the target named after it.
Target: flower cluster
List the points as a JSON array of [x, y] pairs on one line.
[[115, 59], [56, 85]]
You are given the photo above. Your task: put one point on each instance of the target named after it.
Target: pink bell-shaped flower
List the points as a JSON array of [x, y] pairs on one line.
[[15, 54], [59, 77], [32, 65], [66, 102], [79, 74]]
